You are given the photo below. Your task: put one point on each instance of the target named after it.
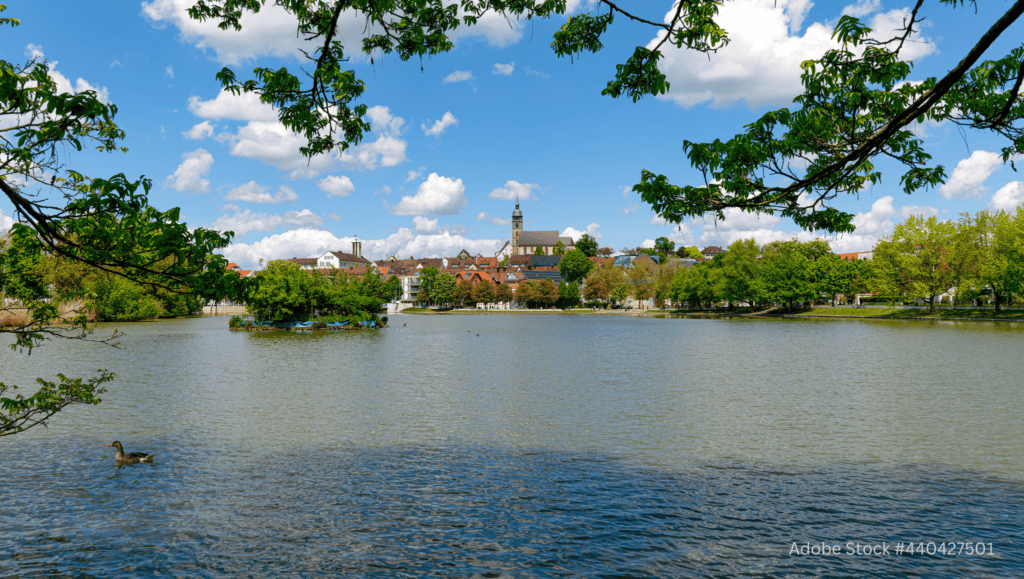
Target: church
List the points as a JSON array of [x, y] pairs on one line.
[[527, 242]]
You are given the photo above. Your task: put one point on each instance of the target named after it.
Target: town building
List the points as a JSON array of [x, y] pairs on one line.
[[528, 242], [341, 260]]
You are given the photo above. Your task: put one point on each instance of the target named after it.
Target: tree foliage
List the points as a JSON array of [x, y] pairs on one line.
[[858, 103], [919, 260], [105, 223], [587, 244], [574, 266]]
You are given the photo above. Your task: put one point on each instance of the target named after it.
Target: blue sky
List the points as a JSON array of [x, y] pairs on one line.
[[456, 137]]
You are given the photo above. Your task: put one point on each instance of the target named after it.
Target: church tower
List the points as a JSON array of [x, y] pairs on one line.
[[517, 226]]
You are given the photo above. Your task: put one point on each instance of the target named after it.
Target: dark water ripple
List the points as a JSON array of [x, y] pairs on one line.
[[482, 511]]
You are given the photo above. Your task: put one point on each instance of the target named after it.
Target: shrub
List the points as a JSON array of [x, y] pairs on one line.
[[235, 322]]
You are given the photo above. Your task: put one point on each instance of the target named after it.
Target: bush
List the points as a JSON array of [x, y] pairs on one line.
[[119, 300], [235, 322]]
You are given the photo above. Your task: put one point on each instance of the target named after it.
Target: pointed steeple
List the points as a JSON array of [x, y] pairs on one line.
[[517, 212]]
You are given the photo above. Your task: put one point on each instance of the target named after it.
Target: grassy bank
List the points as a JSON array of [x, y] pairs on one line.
[[900, 314]]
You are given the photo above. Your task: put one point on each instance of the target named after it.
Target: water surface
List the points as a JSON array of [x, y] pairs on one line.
[[525, 446]]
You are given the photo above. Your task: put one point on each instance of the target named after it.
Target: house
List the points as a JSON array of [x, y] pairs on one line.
[[531, 275], [855, 255], [505, 251], [711, 251], [341, 260], [626, 261], [233, 266]]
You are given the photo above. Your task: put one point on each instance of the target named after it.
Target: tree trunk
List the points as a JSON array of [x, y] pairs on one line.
[[999, 300], [931, 304]]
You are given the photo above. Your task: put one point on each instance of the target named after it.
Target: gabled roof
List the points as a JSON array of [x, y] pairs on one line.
[[302, 260], [535, 238], [711, 250], [519, 260], [351, 257]]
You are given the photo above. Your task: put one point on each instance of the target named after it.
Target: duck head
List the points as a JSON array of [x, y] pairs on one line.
[[116, 443]]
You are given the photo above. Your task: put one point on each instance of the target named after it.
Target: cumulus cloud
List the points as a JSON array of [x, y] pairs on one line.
[[64, 85], [629, 209], [169, 72], [424, 225], [199, 131], [245, 221], [515, 190], [336, 186], [681, 236], [387, 151], [245, 106], [188, 177], [437, 195], [530, 71], [313, 242], [413, 175], [504, 69], [969, 175], [5, 221], [253, 192], [263, 138], [761, 65], [484, 216], [458, 76], [862, 8], [593, 230], [1008, 197], [439, 125], [626, 190]]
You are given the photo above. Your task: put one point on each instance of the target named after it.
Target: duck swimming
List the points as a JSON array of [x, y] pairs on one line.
[[131, 457]]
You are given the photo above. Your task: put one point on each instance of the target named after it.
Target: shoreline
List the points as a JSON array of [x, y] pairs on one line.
[[864, 314]]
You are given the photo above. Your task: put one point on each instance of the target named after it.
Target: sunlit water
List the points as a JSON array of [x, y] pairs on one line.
[[525, 446]]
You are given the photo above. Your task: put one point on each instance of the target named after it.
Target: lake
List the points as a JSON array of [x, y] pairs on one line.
[[527, 446]]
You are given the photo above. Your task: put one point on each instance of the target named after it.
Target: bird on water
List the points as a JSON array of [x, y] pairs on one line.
[[131, 457]]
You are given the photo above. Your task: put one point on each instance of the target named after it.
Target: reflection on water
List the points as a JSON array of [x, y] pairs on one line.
[[547, 446]]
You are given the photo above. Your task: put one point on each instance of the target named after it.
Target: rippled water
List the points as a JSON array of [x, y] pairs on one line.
[[545, 446]]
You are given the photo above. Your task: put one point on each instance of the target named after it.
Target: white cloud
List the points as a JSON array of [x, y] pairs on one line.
[[969, 175], [1008, 197], [626, 190], [35, 51], [515, 190], [484, 216], [336, 186], [658, 220], [387, 151], [761, 64], [263, 138], [169, 72], [530, 71], [188, 177], [440, 125], [413, 175], [199, 131], [593, 230], [437, 195], [458, 76], [424, 225], [230, 207], [276, 145], [245, 221], [862, 8], [681, 235], [629, 209], [245, 106], [385, 190], [5, 221], [504, 69], [253, 192]]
